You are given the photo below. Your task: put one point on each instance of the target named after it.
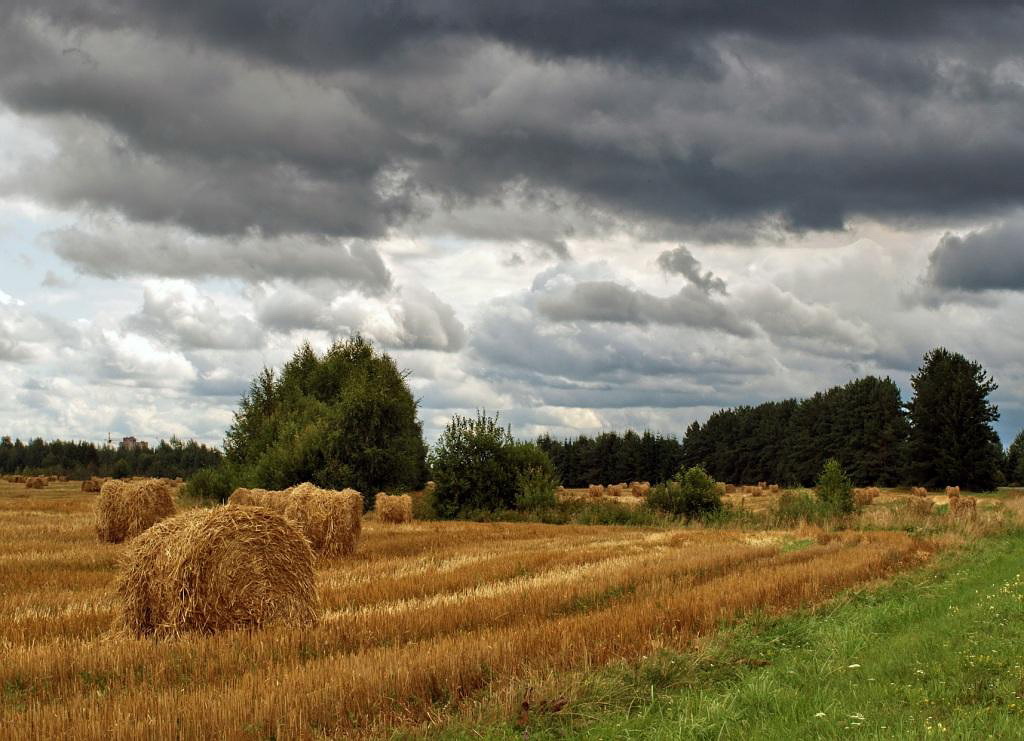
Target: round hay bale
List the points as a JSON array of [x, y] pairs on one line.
[[36, 482], [393, 509], [91, 485], [355, 501], [327, 518], [952, 491], [125, 509], [208, 570]]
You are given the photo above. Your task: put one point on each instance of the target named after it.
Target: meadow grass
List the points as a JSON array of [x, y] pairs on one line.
[[934, 653]]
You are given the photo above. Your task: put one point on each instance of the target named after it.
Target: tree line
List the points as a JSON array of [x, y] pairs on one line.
[[79, 460], [612, 458], [943, 436]]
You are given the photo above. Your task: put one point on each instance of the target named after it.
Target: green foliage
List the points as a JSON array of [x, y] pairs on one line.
[[952, 441], [536, 490], [1013, 465], [690, 493], [863, 424], [477, 465], [834, 488], [793, 507], [344, 419], [211, 484], [613, 457], [80, 460]]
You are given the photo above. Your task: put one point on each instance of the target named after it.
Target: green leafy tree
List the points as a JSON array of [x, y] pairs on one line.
[[952, 441], [343, 419], [1013, 467], [834, 488], [477, 465], [691, 493]]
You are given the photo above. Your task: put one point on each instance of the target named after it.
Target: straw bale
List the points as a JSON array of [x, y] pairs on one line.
[[918, 491], [640, 488], [595, 490], [36, 482], [952, 491], [919, 505], [91, 485], [774, 488], [326, 517], [614, 490], [209, 570], [393, 509], [730, 488], [963, 507], [125, 509]]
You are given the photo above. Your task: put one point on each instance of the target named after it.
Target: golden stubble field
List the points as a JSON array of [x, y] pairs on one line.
[[423, 621]]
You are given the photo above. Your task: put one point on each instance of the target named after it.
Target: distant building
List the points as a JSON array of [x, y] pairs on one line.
[[129, 444]]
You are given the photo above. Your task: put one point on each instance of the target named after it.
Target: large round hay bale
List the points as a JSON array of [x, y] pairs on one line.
[[36, 482], [327, 518], [125, 509], [208, 570], [395, 509]]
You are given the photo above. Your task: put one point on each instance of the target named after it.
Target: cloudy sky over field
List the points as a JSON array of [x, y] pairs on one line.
[[585, 215]]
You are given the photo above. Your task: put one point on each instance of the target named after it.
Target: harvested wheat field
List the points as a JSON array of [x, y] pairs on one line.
[[419, 623]]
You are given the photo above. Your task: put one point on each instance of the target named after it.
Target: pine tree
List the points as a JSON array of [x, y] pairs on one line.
[[952, 441]]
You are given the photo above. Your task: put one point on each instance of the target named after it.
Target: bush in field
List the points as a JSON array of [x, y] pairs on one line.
[[211, 484], [793, 507], [691, 493], [834, 487], [478, 466], [342, 419], [536, 490]]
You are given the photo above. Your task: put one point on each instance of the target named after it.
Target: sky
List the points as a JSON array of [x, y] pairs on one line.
[[585, 215]]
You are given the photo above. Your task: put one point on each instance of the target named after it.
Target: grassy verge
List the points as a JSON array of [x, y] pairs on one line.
[[936, 652]]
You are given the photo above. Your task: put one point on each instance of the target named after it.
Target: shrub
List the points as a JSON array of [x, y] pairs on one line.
[[793, 507], [211, 484], [477, 466], [834, 488], [691, 494], [536, 490]]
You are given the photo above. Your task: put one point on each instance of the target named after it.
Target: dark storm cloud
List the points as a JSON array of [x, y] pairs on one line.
[[680, 261], [351, 119], [317, 35], [987, 259]]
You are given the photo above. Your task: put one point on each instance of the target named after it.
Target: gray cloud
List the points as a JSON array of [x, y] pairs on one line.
[[112, 250], [304, 118], [413, 318], [680, 261], [986, 259], [180, 315], [606, 301]]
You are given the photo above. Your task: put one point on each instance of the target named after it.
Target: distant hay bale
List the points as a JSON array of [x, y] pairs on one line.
[[395, 509], [730, 488], [963, 507], [862, 497], [326, 517], [773, 488], [762, 484], [614, 490], [919, 505], [918, 491], [595, 490], [209, 570], [640, 488], [952, 491], [17, 479], [125, 509], [36, 482], [92, 485]]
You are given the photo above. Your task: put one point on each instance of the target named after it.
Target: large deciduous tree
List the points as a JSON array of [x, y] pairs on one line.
[[343, 419]]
